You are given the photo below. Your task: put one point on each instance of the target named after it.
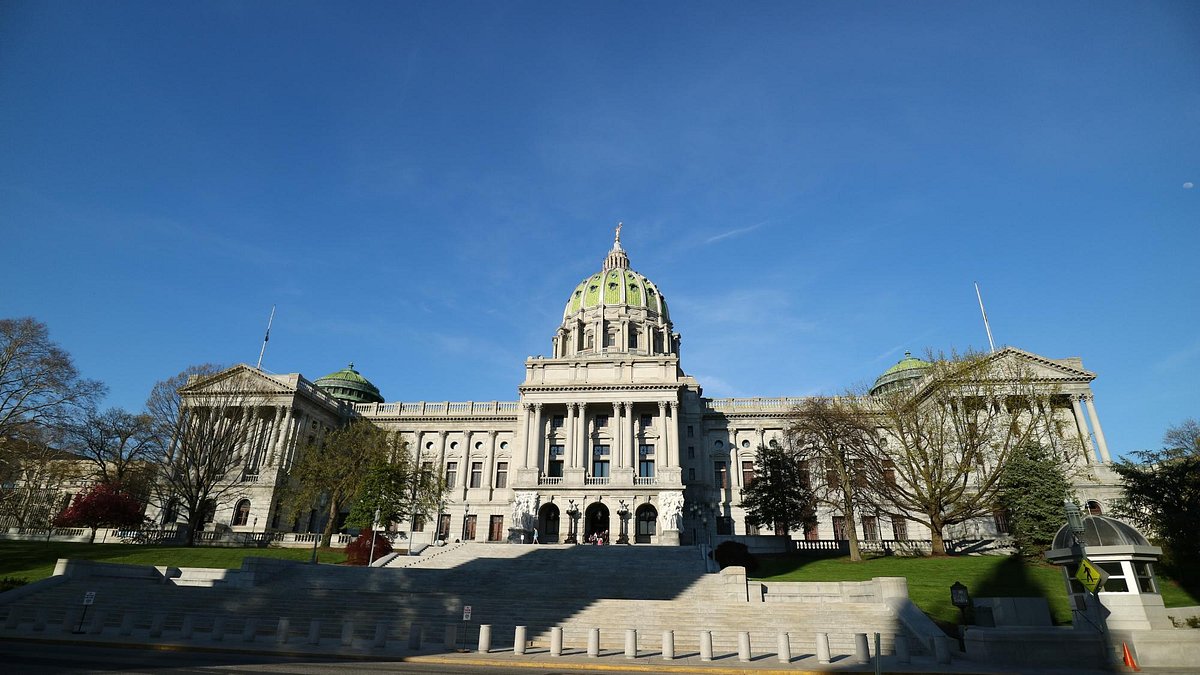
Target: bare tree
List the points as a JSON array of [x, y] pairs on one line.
[[118, 444], [202, 420], [831, 437], [939, 449], [35, 483]]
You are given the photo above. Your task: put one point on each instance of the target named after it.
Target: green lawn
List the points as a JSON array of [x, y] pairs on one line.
[[929, 579], [34, 560]]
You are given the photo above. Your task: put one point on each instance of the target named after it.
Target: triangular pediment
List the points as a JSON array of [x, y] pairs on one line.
[[243, 378], [1045, 369]]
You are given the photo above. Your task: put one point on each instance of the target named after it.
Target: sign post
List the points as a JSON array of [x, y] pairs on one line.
[[1091, 576], [88, 598], [466, 618]]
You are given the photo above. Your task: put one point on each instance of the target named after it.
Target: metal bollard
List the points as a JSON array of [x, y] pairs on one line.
[[450, 635], [485, 638], [941, 650], [126, 624], [862, 652], [381, 635], [40, 618], [249, 629], [785, 648], [218, 629], [744, 646], [705, 645], [97, 626], [156, 624], [414, 636], [900, 640], [593, 642], [347, 633], [823, 648], [668, 645], [281, 630], [556, 641], [189, 625], [314, 632], [631, 643], [878, 653], [519, 641]]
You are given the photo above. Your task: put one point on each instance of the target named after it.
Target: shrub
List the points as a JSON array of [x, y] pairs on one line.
[[9, 583], [730, 553], [358, 552]]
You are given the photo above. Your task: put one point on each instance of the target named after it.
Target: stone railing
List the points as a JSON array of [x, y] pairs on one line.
[[438, 408], [596, 480], [740, 405], [645, 480], [550, 480], [887, 546]]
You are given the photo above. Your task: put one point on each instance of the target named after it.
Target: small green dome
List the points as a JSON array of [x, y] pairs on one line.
[[904, 373], [348, 385]]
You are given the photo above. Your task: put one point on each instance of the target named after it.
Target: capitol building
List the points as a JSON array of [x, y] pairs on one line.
[[608, 436]]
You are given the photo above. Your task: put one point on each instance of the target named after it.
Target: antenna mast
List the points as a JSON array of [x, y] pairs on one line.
[[983, 311], [266, 338]]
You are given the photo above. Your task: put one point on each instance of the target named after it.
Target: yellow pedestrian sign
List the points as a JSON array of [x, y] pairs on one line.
[[1090, 576]]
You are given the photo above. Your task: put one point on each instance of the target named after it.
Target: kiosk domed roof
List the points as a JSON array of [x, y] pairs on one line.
[[348, 385], [1100, 531]]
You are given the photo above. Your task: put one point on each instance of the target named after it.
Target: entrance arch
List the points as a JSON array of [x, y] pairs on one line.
[[548, 524], [647, 524], [595, 521]]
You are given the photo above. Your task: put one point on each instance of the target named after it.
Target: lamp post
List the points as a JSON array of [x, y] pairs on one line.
[[623, 515], [466, 517], [572, 522], [961, 599]]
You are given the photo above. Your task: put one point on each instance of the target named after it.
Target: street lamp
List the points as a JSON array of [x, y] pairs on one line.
[[961, 599], [572, 522], [623, 514]]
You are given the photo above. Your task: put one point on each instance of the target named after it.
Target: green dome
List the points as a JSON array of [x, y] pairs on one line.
[[616, 284], [904, 373], [347, 385]]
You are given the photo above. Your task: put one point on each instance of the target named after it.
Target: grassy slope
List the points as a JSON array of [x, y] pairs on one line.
[[34, 560], [929, 579]]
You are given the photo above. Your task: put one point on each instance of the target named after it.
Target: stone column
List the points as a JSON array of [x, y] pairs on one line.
[[539, 436], [522, 460], [569, 445], [489, 465], [441, 450], [664, 434], [582, 423], [630, 433], [1081, 425], [762, 437], [618, 446], [466, 464], [1091, 408], [418, 449], [672, 456]]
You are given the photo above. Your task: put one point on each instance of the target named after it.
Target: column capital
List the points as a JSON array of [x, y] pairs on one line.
[[662, 405], [492, 433], [537, 407], [582, 406], [1083, 398], [442, 434]]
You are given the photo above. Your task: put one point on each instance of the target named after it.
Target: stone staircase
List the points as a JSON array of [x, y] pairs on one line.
[[577, 588]]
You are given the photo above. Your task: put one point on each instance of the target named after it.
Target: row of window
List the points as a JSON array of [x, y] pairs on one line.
[[476, 476]]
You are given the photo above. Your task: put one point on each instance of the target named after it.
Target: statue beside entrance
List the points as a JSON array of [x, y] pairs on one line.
[[671, 514], [524, 517]]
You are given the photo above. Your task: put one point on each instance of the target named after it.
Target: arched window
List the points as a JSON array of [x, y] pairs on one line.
[[241, 514], [1093, 507]]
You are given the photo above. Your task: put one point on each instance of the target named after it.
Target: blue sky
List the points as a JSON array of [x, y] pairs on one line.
[[419, 186]]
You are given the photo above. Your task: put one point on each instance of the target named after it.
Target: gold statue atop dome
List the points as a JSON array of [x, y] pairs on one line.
[[619, 226]]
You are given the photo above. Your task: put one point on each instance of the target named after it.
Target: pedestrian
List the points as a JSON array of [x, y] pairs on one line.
[[535, 535]]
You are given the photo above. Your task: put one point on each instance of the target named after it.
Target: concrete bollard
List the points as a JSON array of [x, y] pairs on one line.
[[97, 625], [414, 636], [13, 618], [631, 643], [450, 635], [249, 629], [218, 629], [823, 648], [156, 624], [668, 645], [900, 640], [556, 641], [705, 645], [314, 632], [189, 625], [126, 624], [40, 618], [593, 642], [862, 652], [485, 638], [785, 648], [347, 633], [381, 635], [744, 646], [519, 640], [941, 650], [281, 630]]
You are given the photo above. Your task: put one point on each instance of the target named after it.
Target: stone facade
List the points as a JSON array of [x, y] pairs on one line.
[[608, 438]]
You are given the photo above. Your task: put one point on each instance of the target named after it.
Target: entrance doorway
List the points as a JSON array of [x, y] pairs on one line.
[[444, 527], [595, 521], [496, 528], [548, 524], [647, 524], [468, 528]]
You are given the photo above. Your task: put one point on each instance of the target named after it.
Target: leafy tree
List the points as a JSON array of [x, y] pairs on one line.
[[198, 440], [335, 469], [1161, 493], [832, 439], [939, 448], [117, 443], [397, 490], [779, 494], [1033, 486], [102, 505]]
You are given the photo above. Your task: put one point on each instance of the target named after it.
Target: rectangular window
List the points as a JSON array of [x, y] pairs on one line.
[[860, 473], [501, 474], [747, 473], [418, 522], [689, 431], [646, 468], [600, 469], [839, 528], [476, 474], [870, 528], [556, 422], [633, 338], [451, 473], [889, 472], [645, 451], [601, 421], [556, 451], [805, 478], [555, 470], [691, 452], [719, 475], [647, 420], [691, 475], [811, 533], [899, 528], [600, 450]]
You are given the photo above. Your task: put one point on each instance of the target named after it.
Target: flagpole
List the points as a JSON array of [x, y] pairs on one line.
[[266, 338], [983, 311]]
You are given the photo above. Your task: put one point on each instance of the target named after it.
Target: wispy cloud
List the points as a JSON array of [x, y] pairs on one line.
[[1178, 358], [734, 233]]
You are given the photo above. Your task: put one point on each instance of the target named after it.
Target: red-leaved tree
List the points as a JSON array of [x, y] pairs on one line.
[[102, 505], [358, 552]]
